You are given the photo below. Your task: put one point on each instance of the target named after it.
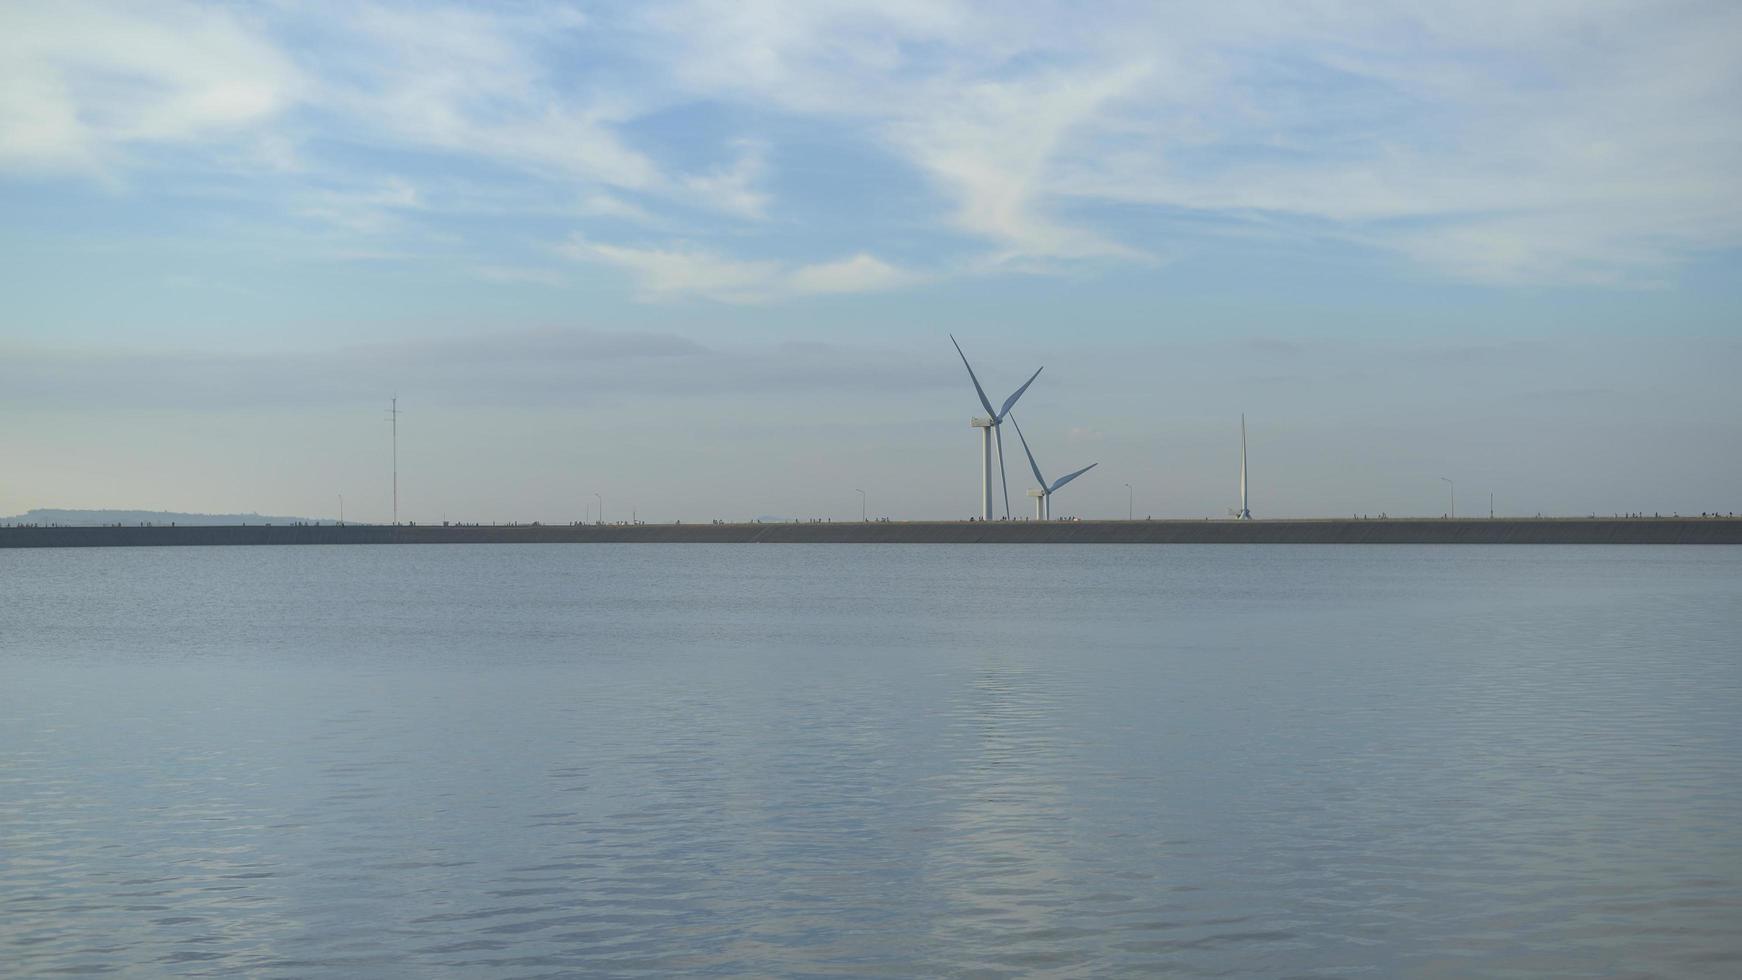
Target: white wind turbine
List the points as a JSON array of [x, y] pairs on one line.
[[1245, 511], [1043, 496], [989, 427]]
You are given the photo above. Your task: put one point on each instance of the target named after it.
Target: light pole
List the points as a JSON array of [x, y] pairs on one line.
[[861, 494], [1490, 505], [601, 507], [393, 417], [1130, 507], [341, 508], [1454, 493]]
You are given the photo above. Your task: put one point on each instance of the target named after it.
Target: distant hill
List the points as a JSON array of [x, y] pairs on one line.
[[43, 515]]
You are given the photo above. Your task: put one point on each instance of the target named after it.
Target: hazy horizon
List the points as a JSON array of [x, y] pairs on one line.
[[702, 258]]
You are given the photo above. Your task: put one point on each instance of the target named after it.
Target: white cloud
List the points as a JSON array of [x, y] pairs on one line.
[[992, 145], [1538, 143], [479, 83], [664, 273], [610, 206], [368, 210], [509, 274], [861, 273], [674, 273], [1547, 142], [734, 189], [82, 82]]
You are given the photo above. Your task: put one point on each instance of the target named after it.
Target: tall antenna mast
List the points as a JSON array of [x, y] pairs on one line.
[[393, 417]]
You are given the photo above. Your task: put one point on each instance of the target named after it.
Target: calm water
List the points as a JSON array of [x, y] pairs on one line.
[[507, 761]]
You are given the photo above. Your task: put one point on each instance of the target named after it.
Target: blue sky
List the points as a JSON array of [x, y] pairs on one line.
[[704, 255]]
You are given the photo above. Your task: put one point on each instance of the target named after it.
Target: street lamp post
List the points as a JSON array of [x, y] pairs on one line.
[[1454, 493], [601, 506], [1130, 506], [861, 494]]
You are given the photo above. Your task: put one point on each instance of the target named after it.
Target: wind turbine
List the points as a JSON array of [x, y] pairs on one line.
[[989, 427], [1245, 512], [1043, 496]]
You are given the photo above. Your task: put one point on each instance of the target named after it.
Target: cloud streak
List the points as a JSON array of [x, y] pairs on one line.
[[1560, 143], [82, 84], [1557, 143], [676, 273]]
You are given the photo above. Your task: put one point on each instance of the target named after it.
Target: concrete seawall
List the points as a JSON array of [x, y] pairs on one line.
[[1394, 531]]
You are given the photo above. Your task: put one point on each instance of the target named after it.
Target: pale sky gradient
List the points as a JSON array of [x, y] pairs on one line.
[[702, 257]]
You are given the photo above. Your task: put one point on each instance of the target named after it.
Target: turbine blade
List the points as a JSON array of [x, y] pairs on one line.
[[1010, 403], [984, 401], [1003, 477], [1031, 463], [1068, 477]]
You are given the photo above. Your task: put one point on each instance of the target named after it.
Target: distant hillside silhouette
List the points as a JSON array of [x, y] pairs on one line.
[[45, 515]]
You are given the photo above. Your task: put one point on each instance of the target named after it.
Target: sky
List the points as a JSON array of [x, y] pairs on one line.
[[703, 259]]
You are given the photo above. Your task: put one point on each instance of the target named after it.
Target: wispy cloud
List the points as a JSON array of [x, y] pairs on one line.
[[993, 144], [520, 274], [605, 205], [860, 273], [362, 209], [677, 272], [1544, 143], [734, 189], [1558, 143], [479, 82], [674, 273], [82, 84]]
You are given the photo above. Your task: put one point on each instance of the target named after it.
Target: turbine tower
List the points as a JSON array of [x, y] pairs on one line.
[[1245, 512], [393, 417], [989, 430], [1043, 496]]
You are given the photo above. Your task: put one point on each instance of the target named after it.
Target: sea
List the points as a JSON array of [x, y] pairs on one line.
[[534, 761]]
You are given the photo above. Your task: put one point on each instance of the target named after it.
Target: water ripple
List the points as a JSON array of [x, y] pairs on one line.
[[977, 762]]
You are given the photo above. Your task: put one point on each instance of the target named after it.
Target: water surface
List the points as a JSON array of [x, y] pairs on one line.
[[643, 760]]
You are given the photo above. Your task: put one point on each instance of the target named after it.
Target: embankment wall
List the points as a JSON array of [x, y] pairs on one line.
[[1341, 531]]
